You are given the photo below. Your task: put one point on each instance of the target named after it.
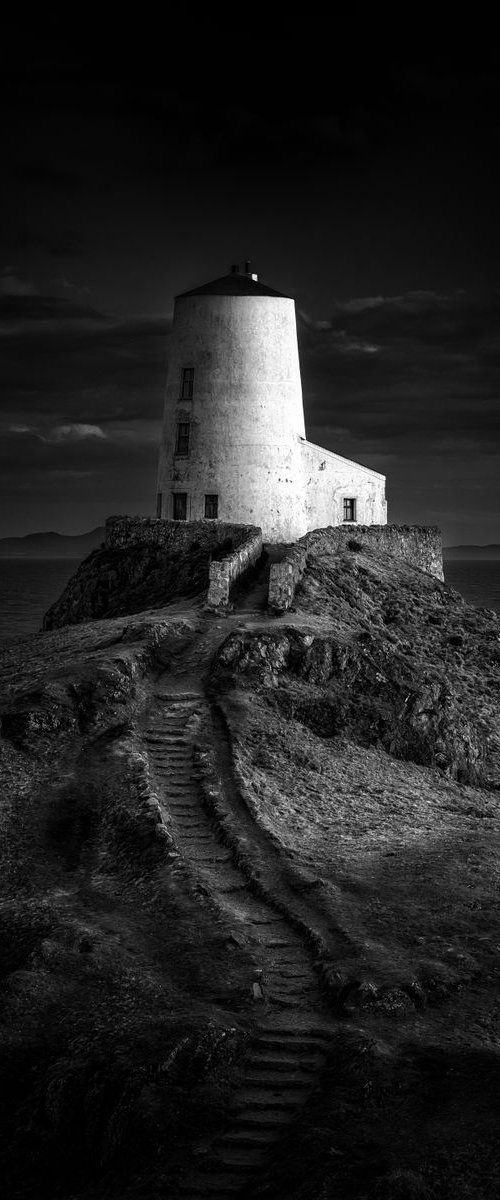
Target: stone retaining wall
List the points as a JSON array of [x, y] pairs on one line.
[[224, 573], [284, 577], [244, 544], [418, 544], [122, 532]]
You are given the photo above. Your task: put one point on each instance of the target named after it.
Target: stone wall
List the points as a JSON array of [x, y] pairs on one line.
[[420, 545], [284, 577], [224, 573], [243, 544], [122, 532]]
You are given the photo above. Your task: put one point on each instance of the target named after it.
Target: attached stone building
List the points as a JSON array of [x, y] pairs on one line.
[[234, 444]]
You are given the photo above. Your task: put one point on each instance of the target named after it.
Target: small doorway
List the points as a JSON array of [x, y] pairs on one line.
[[180, 506]]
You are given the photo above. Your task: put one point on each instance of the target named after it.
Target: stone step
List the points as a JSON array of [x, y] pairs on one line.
[[291, 983], [288, 999], [214, 1185], [292, 973], [268, 1099], [165, 761], [282, 1062], [285, 942], [260, 1137], [272, 1043], [307, 991], [242, 1156], [306, 1030], [283, 1000], [173, 742], [161, 745], [165, 730], [205, 858], [180, 785], [190, 823], [291, 1079], [274, 1118], [191, 834], [161, 755]]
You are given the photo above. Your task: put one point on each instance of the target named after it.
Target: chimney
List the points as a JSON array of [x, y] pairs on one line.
[[235, 269], [250, 273]]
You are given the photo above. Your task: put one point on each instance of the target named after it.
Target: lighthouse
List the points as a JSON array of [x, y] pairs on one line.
[[234, 444]]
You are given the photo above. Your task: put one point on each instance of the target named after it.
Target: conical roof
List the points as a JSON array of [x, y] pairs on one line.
[[235, 284]]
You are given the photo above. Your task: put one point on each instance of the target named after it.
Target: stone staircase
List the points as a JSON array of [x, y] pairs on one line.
[[288, 1048]]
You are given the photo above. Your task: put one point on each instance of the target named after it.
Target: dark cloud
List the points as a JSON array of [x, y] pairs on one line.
[[434, 369], [50, 177], [362, 182], [65, 363], [422, 408], [407, 384], [65, 243]]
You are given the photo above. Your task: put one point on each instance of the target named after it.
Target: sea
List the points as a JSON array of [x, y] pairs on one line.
[[28, 587]]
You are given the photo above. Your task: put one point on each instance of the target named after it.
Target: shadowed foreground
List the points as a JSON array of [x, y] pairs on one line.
[[249, 933]]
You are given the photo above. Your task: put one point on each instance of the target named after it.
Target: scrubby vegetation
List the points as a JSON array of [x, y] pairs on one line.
[[357, 743]]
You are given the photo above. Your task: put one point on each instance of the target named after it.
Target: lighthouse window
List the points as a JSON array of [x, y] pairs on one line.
[[182, 438], [211, 507], [180, 506], [187, 383], [349, 510]]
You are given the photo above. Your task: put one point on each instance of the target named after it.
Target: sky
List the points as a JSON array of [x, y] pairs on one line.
[[363, 183]]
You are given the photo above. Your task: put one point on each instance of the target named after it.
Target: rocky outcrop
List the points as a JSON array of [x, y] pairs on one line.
[[201, 872], [115, 582], [397, 662], [363, 692]]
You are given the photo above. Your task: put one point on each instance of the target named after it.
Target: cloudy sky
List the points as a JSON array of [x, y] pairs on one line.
[[368, 190]]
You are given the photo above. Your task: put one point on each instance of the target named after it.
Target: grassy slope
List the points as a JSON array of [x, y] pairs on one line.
[[123, 1012], [401, 857]]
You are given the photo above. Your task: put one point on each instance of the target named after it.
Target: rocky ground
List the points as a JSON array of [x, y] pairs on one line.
[[249, 932], [117, 581]]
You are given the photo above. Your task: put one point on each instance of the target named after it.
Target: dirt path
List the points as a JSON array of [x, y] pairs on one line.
[[287, 1050]]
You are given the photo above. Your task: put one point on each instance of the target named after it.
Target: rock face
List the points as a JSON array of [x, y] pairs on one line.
[[361, 691], [399, 664], [418, 545], [145, 564], [113, 582]]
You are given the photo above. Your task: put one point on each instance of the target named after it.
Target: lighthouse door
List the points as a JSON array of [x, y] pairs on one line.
[[180, 506]]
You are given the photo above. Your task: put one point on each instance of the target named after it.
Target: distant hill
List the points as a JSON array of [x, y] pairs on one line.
[[52, 545], [490, 551]]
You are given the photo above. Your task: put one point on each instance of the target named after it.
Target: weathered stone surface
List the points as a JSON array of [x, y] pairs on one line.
[[419, 545], [146, 564], [224, 573], [122, 532]]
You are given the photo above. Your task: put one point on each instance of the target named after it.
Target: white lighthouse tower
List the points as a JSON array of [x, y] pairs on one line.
[[233, 443]]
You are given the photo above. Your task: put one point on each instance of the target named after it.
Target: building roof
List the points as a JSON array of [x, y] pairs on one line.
[[234, 285]]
